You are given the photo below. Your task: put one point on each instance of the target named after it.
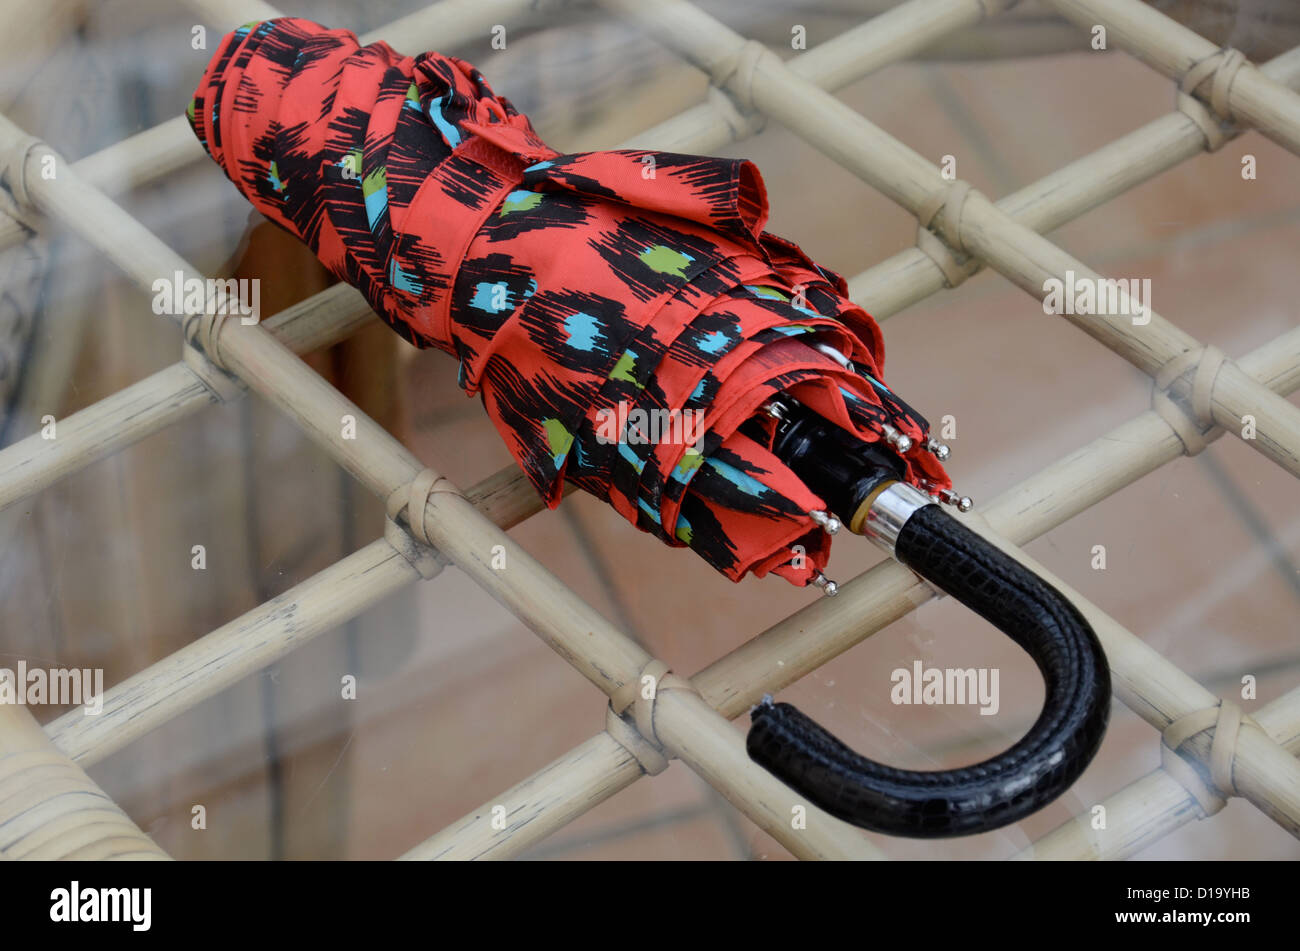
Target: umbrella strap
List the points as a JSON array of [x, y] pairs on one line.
[[497, 172]]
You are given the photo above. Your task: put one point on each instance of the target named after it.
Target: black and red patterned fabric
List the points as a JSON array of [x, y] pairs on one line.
[[621, 313]]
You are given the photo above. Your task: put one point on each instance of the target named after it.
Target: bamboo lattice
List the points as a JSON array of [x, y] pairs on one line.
[[1198, 394]]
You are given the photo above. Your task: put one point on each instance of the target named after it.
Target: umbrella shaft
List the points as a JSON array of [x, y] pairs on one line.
[[845, 471]]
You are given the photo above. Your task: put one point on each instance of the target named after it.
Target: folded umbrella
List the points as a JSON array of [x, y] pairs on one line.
[[590, 298], [634, 331]]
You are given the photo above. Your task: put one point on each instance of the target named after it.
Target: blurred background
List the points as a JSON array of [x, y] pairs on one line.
[[456, 699]]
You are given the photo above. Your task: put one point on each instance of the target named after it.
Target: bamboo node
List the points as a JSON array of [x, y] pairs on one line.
[[741, 124], [13, 170], [1226, 720], [1219, 69], [651, 757], [424, 559], [939, 217], [219, 383], [204, 328], [412, 499], [1193, 429], [734, 77], [955, 270], [642, 742]]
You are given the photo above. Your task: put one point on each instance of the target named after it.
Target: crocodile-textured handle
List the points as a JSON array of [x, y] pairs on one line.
[[987, 795]]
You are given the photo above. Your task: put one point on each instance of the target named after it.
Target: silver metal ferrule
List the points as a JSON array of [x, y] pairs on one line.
[[890, 511]]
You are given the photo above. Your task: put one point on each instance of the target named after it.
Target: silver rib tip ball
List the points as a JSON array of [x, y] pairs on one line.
[[962, 503], [899, 441], [829, 523], [829, 587], [941, 451]]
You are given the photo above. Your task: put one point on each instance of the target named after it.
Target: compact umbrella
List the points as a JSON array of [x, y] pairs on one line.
[[634, 331]]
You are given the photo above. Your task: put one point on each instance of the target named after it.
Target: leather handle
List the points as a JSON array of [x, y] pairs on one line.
[[983, 796]]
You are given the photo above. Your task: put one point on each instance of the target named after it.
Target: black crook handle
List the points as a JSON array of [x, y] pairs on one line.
[[987, 795]]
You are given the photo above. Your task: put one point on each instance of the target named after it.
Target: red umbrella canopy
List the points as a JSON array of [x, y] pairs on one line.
[[621, 313]]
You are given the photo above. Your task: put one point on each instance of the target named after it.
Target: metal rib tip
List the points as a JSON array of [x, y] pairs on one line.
[[829, 523], [899, 441], [829, 587], [962, 503], [940, 450]]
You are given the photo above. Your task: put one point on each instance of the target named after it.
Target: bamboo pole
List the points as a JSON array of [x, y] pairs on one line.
[[719, 758], [817, 633], [1266, 775], [1169, 47], [259, 637], [1151, 807], [249, 351], [232, 13], [166, 397], [143, 158], [1059, 197], [609, 660], [50, 809], [443, 25], [256, 639], [890, 37], [543, 803]]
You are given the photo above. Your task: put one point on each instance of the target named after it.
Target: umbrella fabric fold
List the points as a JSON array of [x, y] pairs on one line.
[[620, 313]]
